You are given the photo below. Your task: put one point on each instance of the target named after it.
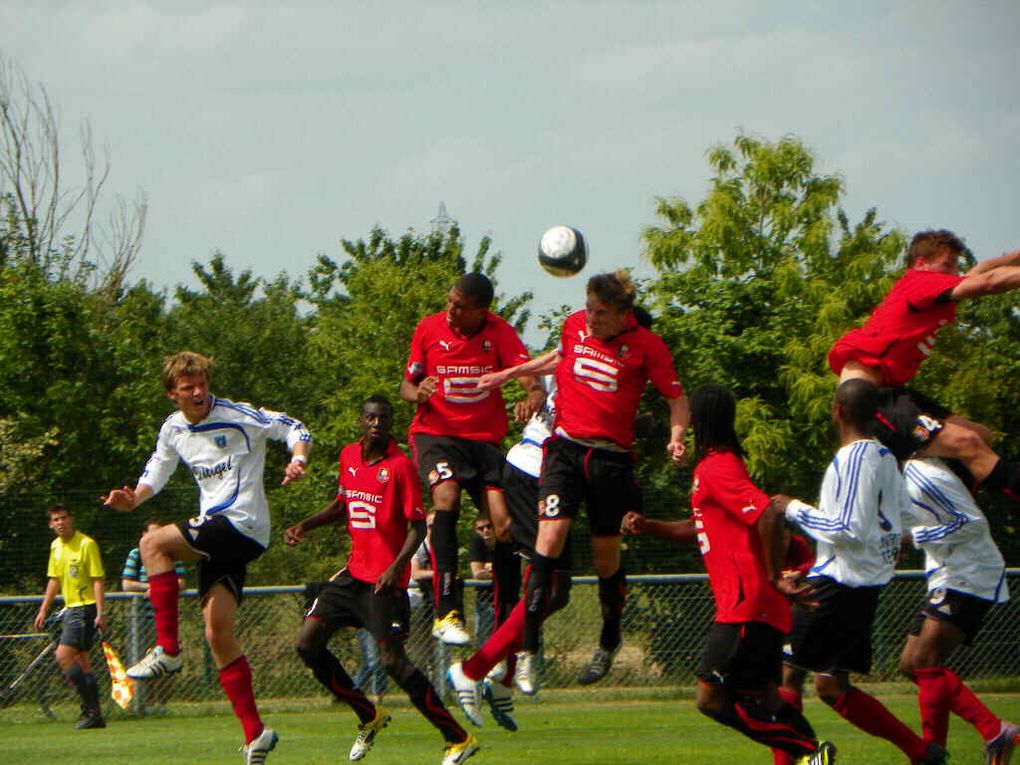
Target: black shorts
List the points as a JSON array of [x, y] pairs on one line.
[[746, 656], [603, 479], [79, 627], [907, 421], [836, 636], [521, 491], [475, 465], [226, 553], [964, 611], [345, 601]]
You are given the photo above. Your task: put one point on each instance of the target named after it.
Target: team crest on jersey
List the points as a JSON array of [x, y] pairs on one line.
[[72, 570], [624, 351], [486, 346], [221, 441], [383, 475]]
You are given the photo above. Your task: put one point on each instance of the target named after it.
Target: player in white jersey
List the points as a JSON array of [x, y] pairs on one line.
[[857, 526], [966, 577], [224, 445]]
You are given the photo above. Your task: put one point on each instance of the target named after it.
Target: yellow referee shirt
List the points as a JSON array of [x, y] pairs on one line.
[[76, 563]]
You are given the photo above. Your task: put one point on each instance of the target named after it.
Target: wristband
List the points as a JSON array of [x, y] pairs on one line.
[[299, 459]]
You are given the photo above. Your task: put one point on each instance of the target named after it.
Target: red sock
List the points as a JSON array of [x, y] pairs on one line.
[[503, 642], [871, 716], [933, 702], [963, 702], [236, 681], [164, 591], [791, 697]]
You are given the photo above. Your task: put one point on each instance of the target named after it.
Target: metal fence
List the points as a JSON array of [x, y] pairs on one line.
[[664, 624]]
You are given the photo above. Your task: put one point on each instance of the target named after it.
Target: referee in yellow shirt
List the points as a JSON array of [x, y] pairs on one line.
[[75, 570]]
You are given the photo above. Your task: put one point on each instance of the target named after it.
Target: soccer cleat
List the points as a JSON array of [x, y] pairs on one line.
[[367, 733], [451, 629], [91, 720], [935, 755], [498, 672], [257, 751], [156, 663], [468, 691], [454, 754], [598, 666], [825, 754], [999, 750], [526, 674], [501, 704]]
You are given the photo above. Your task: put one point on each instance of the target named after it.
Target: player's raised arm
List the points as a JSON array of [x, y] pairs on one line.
[[127, 499], [536, 367], [990, 277], [679, 421]]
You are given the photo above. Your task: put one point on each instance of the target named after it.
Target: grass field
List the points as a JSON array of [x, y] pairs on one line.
[[560, 728]]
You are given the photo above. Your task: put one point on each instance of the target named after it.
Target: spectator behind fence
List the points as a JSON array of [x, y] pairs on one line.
[[133, 578], [75, 570], [480, 548]]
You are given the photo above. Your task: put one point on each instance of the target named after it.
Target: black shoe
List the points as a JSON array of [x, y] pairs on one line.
[[935, 755], [94, 720], [599, 666]]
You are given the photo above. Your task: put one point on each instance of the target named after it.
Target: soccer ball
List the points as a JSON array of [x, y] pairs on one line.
[[562, 251]]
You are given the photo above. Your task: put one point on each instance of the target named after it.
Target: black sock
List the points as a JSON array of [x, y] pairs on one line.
[[536, 598], [444, 560], [91, 694], [506, 575], [330, 673], [429, 703], [612, 594], [786, 729], [1005, 477], [75, 675]]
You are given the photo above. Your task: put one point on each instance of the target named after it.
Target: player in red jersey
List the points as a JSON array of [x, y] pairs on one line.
[[900, 334], [381, 497], [457, 427], [602, 364], [740, 532]]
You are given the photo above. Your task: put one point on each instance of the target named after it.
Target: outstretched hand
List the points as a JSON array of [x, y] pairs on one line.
[[120, 499], [294, 471], [633, 524], [796, 590]]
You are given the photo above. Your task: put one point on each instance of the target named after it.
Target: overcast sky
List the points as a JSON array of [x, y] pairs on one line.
[[271, 131]]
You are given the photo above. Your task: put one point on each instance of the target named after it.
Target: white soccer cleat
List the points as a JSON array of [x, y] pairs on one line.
[[498, 672], [451, 629], [156, 663], [999, 750], [526, 674], [455, 754], [257, 751], [501, 704], [468, 691], [367, 733]]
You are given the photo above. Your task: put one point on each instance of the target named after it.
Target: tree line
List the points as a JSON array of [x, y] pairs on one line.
[[751, 286]]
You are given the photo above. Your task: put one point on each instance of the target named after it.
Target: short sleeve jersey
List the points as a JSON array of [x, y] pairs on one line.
[[599, 382], [381, 498], [900, 333], [726, 507], [76, 563], [459, 408]]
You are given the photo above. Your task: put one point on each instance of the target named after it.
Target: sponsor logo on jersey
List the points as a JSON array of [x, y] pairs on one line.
[[586, 350], [446, 345], [464, 369], [364, 496], [748, 509], [383, 475], [219, 470], [353, 471], [221, 441]]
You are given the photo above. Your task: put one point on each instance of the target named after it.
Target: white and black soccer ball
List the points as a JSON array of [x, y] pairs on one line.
[[562, 251]]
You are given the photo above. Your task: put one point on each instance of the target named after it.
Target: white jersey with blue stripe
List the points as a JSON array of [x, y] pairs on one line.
[[527, 455], [226, 453], [953, 533], [859, 519]]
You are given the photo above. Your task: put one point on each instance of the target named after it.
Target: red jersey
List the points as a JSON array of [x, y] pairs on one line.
[[382, 498], [799, 555], [458, 408], [900, 333], [726, 507], [599, 382]]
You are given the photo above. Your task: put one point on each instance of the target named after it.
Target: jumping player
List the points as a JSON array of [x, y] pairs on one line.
[[602, 363], [900, 334], [380, 497], [75, 571], [740, 532], [857, 527], [966, 578], [224, 445], [457, 427]]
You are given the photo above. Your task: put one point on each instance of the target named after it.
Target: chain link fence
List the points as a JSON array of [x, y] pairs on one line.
[[664, 624]]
